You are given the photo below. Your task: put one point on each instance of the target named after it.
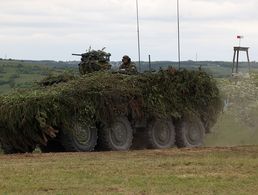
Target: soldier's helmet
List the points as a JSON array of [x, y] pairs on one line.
[[126, 58]]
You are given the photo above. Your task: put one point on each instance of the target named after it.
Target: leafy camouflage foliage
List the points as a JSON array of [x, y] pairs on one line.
[[34, 116], [94, 60], [56, 79]]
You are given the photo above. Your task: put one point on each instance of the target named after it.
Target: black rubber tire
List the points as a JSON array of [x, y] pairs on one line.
[[160, 134], [52, 146], [118, 137], [79, 138], [190, 132]]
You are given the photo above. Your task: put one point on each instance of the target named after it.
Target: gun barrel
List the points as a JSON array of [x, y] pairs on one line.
[[74, 54]]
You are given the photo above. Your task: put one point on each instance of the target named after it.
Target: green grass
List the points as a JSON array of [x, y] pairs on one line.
[[195, 171]]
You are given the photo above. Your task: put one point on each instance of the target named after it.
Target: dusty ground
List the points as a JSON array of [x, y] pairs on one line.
[[188, 171]]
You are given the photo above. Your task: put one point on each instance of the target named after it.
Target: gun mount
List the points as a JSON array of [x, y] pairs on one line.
[[94, 60]]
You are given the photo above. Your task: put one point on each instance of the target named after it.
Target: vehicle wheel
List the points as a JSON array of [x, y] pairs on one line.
[[160, 134], [52, 146], [79, 138], [189, 132], [118, 137]]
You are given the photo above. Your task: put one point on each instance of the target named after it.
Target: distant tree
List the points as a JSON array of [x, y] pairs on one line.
[[14, 76], [2, 69], [20, 65], [12, 83]]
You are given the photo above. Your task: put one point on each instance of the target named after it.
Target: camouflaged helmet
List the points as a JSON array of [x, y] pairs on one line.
[[126, 57]]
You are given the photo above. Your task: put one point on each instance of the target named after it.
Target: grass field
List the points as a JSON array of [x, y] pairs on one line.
[[187, 171]]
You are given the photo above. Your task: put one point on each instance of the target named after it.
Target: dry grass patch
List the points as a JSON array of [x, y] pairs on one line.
[[202, 171]]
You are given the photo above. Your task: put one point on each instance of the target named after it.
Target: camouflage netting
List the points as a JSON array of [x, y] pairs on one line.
[[94, 60], [56, 79], [33, 117]]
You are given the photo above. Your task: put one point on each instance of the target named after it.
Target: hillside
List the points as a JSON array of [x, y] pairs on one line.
[[16, 74]]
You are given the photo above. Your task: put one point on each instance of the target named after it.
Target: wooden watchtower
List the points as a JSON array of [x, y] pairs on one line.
[[237, 50]]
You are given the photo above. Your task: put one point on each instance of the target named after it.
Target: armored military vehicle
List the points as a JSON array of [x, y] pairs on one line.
[[105, 110]]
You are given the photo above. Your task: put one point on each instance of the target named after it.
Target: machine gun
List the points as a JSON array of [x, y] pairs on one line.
[[75, 54]]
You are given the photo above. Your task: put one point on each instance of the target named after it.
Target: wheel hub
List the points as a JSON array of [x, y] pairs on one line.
[[162, 133], [82, 134], [193, 134], [119, 134]]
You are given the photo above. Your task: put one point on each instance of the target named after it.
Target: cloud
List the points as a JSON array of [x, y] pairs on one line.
[[53, 29]]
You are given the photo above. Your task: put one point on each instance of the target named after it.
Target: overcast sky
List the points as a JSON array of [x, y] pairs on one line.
[[53, 29]]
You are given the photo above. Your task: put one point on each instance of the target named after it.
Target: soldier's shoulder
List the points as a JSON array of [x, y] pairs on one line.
[[133, 64]]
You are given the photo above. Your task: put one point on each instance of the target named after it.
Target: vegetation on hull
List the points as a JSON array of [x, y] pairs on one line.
[[35, 116]]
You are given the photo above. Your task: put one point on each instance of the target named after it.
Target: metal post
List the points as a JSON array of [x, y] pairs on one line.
[[234, 59], [248, 59], [149, 62], [138, 35], [237, 63], [178, 35]]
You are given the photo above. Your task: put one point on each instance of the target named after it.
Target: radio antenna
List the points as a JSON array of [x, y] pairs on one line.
[[138, 35], [178, 35]]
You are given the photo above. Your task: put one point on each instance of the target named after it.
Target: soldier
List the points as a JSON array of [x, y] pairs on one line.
[[127, 66]]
